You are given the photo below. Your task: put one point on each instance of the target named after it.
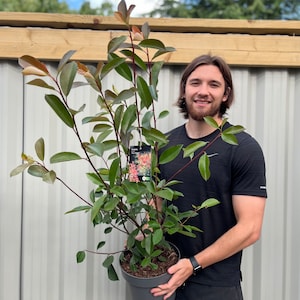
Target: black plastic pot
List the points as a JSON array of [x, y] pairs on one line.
[[140, 287]]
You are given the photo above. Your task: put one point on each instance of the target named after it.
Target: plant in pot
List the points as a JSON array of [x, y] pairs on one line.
[[124, 151]]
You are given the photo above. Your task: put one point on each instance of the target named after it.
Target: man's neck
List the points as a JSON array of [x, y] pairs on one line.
[[198, 129]]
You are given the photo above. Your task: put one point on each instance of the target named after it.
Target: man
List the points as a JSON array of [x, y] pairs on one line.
[[210, 265]]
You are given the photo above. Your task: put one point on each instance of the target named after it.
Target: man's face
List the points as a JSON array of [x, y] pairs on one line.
[[204, 92]]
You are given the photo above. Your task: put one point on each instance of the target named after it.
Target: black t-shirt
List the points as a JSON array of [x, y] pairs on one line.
[[235, 170]]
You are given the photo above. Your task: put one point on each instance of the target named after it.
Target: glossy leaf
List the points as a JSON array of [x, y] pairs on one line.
[[65, 59], [169, 154], [112, 274], [146, 120], [67, 77], [129, 117], [108, 261], [60, 109], [146, 30], [162, 52], [40, 83], [37, 170], [19, 169], [123, 69], [229, 138], [111, 65], [114, 171], [40, 148], [157, 236], [192, 148], [203, 166], [153, 135], [96, 208], [233, 129], [133, 57], [144, 92], [111, 204], [64, 156], [96, 148], [115, 43], [49, 177], [80, 256], [211, 121], [155, 72], [79, 208], [152, 43], [27, 60], [209, 203]]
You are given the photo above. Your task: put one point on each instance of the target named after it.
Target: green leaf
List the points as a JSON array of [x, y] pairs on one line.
[[79, 208], [144, 92], [96, 148], [112, 274], [108, 261], [111, 204], [129, 117], [123, 69], [163, 51], [137, 60], [170, 154], [203, 166], [229, 138], [40, 148], [124, 95], [80, 256], [19, 169], [64, 156], [146, 121], [192, 148], [67, 77], [166, 193], [209, 203], [115, 43], [96, 208], [111, 65], [163, 114], [114, 171], [49, 177], [153, 135], [156, 67], [146, 30], [40, 83], [211, 121], [152, 43], [65, 59], [60, 109], [157, 236], [118, 116], [100, 244], [37, 170], [233, 129]]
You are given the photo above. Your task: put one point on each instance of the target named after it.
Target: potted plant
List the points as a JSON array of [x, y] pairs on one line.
[[130, 147]]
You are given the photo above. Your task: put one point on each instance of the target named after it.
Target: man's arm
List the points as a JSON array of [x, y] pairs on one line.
[[249, 211]]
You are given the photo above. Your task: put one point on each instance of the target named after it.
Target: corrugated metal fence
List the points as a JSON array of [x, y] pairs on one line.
[[38, 243]]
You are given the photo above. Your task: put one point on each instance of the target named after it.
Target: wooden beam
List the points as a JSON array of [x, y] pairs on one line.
[[91, 45], [65, 21]]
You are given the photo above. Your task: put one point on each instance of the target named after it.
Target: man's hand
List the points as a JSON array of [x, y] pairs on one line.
[[181, 272]]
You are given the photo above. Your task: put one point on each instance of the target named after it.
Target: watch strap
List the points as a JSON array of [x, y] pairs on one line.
[[196, 266]]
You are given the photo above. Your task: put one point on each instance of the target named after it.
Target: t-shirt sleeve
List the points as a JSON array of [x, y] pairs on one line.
[[249, 174]]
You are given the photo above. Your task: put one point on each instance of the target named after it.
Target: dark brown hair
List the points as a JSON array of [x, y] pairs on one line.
[[225, 71]]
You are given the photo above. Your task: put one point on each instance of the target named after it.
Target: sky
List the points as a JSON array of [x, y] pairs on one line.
[[141, 6]]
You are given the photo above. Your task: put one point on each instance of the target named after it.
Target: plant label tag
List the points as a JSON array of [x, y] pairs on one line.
[[140, 163]]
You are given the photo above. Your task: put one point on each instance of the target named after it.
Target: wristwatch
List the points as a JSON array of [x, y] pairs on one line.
[[196, 266]]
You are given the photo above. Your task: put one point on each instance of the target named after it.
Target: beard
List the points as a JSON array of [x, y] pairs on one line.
[[198, 114]]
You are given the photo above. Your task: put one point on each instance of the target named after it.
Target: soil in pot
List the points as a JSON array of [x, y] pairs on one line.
[[142, 280]]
